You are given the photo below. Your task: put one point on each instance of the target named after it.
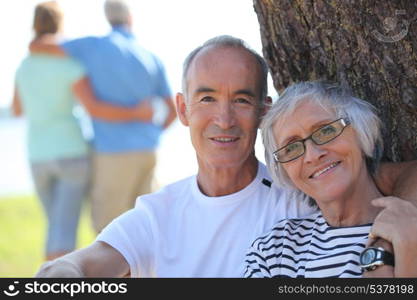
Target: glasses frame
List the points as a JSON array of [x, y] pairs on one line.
[[345, 122]]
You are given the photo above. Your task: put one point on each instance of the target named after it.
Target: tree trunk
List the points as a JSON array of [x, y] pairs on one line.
[[369, 45]]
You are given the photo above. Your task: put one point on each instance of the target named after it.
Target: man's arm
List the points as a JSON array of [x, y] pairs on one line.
[[398, 179], [397, 224], [97, 260], [102, 110], [172, 114], [46, 45]]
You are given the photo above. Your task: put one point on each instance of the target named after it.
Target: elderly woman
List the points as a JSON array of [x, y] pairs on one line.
[[323, 145]]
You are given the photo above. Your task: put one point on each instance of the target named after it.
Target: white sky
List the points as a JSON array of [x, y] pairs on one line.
[[169, 28]]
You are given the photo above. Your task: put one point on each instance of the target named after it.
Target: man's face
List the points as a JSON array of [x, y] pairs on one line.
[[222, 106]]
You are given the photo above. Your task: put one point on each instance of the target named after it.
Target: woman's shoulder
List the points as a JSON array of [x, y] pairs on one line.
[[302, 223], [289, 229]]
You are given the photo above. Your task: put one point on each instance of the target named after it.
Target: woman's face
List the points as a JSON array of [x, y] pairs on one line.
[[324, 172]]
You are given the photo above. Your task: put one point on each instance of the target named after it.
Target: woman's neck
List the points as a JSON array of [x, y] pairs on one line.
[[355, 208]]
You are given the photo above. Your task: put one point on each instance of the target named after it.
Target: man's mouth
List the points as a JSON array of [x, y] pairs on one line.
[[324, 170], [224, 139]]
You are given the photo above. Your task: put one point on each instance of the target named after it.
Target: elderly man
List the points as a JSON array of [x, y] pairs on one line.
[[200, 226], [125, 74]]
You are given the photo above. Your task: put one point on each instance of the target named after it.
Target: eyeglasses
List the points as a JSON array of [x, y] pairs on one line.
[[320, 136]]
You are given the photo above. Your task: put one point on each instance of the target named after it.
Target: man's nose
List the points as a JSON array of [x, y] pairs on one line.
[[313, 152], [225, 117]]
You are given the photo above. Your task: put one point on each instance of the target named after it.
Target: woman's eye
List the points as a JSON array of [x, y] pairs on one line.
[[327, 130], [291, 147]]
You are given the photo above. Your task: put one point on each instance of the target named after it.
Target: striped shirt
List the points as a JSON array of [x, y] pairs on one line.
[[307, 247]]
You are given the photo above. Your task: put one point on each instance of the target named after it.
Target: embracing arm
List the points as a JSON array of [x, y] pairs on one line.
[[102, 110], [172, 115], [46, 45], [398, 179], [97, 260], [397, 224]]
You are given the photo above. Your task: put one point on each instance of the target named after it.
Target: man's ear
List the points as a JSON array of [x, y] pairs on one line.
[[181, 108], [267, 106]]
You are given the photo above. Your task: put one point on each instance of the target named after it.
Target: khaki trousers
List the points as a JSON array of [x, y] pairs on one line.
[[118, 179]]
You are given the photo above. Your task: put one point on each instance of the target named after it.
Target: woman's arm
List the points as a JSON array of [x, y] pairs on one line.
[[99, 109], [17, 104]]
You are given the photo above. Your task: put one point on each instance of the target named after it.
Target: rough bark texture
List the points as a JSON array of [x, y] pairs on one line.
[[369, 45]]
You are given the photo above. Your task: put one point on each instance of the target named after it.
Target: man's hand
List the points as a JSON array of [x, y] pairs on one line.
[[397, 224], [59, 268], [382, 271], [144, 111], [97, 260]]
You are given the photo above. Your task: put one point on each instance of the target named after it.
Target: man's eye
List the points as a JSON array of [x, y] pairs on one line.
[[243, 100], [207, 99]]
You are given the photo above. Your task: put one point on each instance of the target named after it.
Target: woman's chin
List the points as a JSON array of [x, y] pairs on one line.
[[330, 193]]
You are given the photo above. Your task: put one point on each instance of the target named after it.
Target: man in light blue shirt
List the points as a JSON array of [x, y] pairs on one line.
[[123, 73]]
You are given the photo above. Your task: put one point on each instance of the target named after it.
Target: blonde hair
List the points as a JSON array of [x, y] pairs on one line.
[[48, 18]]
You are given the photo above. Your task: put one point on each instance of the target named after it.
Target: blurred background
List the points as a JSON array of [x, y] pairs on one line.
[[170, 29]]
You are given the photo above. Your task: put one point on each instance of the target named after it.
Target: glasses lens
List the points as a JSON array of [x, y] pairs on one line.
[[290, 152], [327, 133]]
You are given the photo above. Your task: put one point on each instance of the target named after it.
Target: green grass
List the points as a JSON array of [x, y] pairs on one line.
[[22, 235]]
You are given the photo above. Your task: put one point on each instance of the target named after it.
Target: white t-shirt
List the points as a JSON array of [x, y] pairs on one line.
[[180, 232]]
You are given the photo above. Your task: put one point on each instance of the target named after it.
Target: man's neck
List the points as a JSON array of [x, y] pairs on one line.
[[221, 181], [124, 27]]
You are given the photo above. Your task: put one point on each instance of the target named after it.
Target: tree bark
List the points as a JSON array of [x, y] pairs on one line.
[[369, 45]]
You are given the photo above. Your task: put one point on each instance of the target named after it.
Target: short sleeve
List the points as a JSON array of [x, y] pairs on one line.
[[131, 235], [81, 48], [75, 70]]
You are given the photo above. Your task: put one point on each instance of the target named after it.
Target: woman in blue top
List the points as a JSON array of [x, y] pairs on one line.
[[46, 87]]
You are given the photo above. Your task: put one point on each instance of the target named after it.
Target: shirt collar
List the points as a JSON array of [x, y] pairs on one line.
[[122, 29]]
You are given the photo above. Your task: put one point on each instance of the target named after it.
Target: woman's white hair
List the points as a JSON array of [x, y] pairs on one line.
[[333, 98]]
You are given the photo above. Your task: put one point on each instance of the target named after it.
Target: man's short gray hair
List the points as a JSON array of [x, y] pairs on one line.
[[333, 98], [117, 12], [228, 42]]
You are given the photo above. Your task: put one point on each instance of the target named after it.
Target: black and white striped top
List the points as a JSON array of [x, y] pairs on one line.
[[307, 247]]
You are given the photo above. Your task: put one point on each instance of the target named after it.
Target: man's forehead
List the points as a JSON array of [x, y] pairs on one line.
[[216, 56], [221, 65]]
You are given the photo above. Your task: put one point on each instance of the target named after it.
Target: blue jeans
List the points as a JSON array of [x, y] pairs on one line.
[[62, 186]]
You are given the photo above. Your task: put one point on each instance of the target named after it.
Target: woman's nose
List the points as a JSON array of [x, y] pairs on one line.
[[313, 152]]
